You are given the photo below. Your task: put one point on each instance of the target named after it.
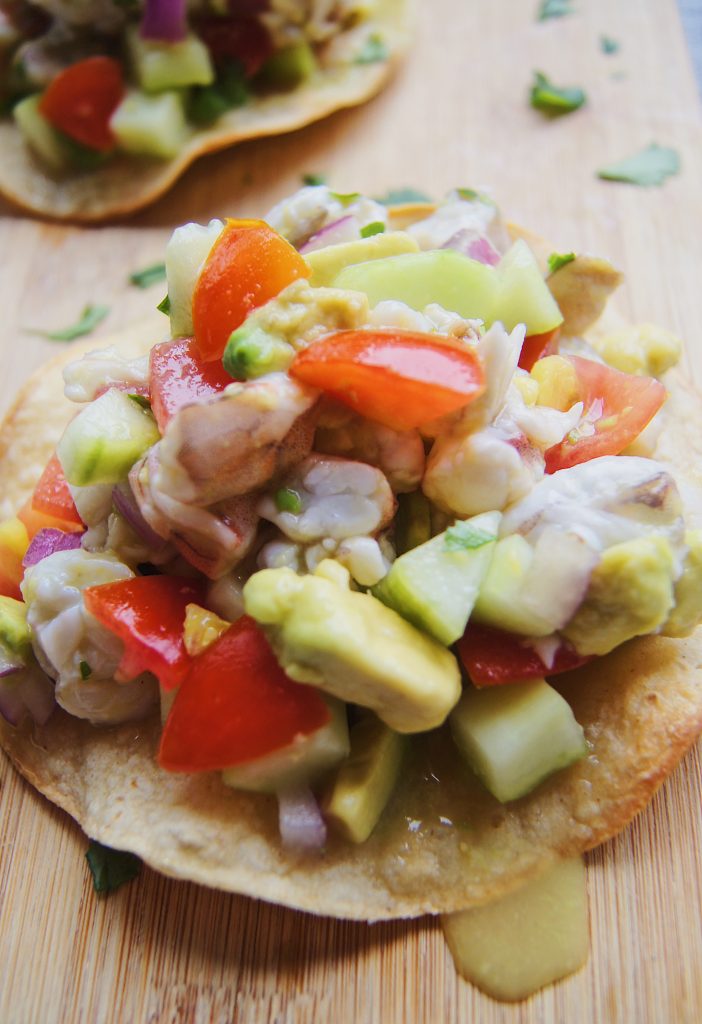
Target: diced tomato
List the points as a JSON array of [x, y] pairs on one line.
[[35, 521], [14, 542], [492, 657], [628, 404], [147, 613], [241, 38], [536, 346], [237, 704], [249, 264], [53, 498], [180, 377], [399, 378], [81, 99]]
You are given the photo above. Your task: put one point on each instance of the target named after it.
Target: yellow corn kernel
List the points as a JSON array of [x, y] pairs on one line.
[[558, 382], [14, 536], [527, 387], [641, 348], [201, 629]]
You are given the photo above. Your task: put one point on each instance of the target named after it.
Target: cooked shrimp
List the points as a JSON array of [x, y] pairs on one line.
[[399, 455]]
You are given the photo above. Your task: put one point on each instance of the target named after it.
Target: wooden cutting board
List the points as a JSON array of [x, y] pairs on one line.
[[457, 114]]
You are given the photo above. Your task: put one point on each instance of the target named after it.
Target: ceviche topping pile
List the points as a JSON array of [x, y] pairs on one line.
[[376, 481]]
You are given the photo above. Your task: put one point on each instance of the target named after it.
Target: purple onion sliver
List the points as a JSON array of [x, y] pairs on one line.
[[164, 20], [473, 245], [12, 706], [343, 230], [38, 693], [126, 505], [300, 820], [47, 542]]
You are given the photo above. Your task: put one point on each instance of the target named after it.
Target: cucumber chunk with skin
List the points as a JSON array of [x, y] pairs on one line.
[[38, 133], [288, 68], [436, 584], [301, 763], [514, 737], [151, 125], [104, 441], [186, 252], [364, 782], [161, 65], [14, 631]]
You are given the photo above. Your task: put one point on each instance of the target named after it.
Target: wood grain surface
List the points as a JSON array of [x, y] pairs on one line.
[[165, 951]]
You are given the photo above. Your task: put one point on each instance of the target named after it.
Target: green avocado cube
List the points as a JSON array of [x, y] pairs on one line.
[[161, 65], [151, 125], [14, 631]]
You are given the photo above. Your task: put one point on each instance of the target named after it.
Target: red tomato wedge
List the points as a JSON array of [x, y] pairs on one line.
[[53, 498], [236, 704], [536, 346], [180, 377], [399, 378], [249, 264], [620, 404], [147, 613], [81, 100], [492, 657], [241, 38]]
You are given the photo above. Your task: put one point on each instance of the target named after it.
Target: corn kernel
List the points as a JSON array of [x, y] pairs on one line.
[[558, 382]]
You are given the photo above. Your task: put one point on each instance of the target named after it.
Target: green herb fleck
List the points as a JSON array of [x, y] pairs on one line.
[[649, 167], [400, 196], [375, 228], [554, 9], [470, 195], [559, 259], [111, 868], [141, 400], [314, 179], [85, 670], [89, 319], [164, 305], [288, 500], [346, 198], [609, 45], [463, 536], [148, 276], [553, 100], [373, 50]]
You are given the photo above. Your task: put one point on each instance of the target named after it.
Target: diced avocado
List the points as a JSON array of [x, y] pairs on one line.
[[150, 125], [498, 603], [687, 612], [287, 68], [201, 628], [630, 594], [435, 585], [531, 937], [38, 133], [252, 352], [364, 782], [160, 65], [104, 441], [412, 522], [301, 763], [514, 737], [186, 251], [328, 263], [350, 645], [14, 631]]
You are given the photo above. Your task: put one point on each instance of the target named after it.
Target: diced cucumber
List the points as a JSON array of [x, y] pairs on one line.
[[514, 737], [497, 603], [41, 136], [252, 352], [301, 763], [151, 125], [186, 251], [328, 263], [104, 441], [288, 68], [161, 65], [365, 780], [435, 585], [14, 631], [523, 297]]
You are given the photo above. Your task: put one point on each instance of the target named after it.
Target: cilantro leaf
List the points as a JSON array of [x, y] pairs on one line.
[[554, 9], [89, 319], [375, 228], [85, 670], [609, 45], [345, 198], [400, 196], [559, 259], [141, 400], [110, 868], [373, 50], [649, 167], [288, 500], [550, 99], [463, 536], [164, 305], [314, 179], [148, 276]]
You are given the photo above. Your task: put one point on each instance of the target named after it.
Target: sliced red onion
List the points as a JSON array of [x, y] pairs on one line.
[[47, 542], [477, 247], [343, 230], [12, 706], [164, 20], [29, 691], [125, 503], [300, 820]]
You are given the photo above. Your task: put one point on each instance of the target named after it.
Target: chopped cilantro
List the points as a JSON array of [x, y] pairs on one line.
[[373, 50], [85, 670], [141, 400], [164, 305], [609, 45], [288, 500], [553, 100], [463, 536], [559, 259], [148, 276], [471, 195], [89, 319], [400, 196], [375, 228], [314, 179], [345, 198], [110, 868], [649, 167], [554, 9]]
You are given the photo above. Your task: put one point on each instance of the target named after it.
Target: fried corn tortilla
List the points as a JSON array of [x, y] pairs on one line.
[[128, 183], [443, 842]]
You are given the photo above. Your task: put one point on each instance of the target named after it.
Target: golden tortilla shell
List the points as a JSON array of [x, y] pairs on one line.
[[443, 843], [126, 184]]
